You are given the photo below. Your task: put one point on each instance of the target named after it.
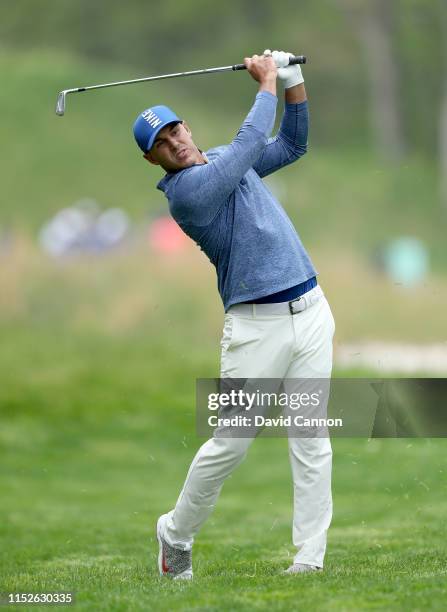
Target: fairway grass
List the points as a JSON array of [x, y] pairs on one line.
[[93, 449]]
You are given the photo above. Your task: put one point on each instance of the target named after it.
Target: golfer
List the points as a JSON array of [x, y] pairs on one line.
[[278, 323]]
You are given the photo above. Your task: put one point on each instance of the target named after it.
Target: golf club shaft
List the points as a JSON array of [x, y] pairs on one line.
[[60, 107], [300, 59]]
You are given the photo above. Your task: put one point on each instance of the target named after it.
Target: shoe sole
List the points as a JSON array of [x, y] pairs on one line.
[[312, 571], [160, 547]]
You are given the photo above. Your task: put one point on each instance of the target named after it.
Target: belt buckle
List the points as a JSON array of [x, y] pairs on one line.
[[291, 303]]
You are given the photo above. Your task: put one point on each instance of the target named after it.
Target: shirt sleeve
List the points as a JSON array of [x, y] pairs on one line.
[[289, 144], [201, 190]]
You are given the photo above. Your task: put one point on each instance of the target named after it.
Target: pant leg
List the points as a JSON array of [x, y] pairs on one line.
[[311, 458], [252, 347], [213, 463]]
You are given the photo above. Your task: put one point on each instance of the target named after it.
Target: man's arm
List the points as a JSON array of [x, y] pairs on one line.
[[201, 190], [291, 141]]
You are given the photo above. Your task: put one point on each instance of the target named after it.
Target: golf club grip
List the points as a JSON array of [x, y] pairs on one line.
[[296, 59]]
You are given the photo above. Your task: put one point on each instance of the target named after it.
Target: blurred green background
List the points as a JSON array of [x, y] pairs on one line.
[[375, 170], [100, 348]]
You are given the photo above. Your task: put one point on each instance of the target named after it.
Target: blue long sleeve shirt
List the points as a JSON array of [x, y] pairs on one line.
[[226, 208]]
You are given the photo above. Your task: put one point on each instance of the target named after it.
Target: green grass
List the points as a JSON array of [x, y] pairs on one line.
[[96, 436]]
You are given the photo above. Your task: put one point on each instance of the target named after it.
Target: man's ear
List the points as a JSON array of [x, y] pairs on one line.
[[150, 158]]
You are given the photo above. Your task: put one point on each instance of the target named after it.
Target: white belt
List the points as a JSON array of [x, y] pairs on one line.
[[281, 308]]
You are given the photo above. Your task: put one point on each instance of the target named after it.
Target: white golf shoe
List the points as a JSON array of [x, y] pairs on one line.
[[302, 568], [173, 562]]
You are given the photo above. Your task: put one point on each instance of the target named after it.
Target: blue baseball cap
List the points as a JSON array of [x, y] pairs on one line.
[[150, 122]]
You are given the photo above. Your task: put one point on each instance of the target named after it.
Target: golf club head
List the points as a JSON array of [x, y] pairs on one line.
[[60, 104]]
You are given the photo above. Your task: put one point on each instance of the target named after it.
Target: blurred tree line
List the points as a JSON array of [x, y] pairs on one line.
[[376, 72]]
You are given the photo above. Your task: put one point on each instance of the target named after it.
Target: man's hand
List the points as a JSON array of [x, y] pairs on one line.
[[263, 70], [289, 75]]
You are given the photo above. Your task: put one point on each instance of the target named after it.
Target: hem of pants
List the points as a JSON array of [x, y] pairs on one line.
[[313, 550], [182, 545]]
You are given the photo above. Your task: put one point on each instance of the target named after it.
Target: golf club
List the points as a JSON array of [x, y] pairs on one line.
[[61, 98]]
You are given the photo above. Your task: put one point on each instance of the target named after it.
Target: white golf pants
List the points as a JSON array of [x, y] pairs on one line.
[[259, 345]]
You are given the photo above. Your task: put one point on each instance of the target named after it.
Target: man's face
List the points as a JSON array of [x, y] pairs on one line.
[[174, 149]]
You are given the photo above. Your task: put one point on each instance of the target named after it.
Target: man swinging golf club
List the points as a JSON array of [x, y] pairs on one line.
[[278, 323]]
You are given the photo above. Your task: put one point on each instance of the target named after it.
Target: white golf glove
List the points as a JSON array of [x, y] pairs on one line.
[[289, 75]]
